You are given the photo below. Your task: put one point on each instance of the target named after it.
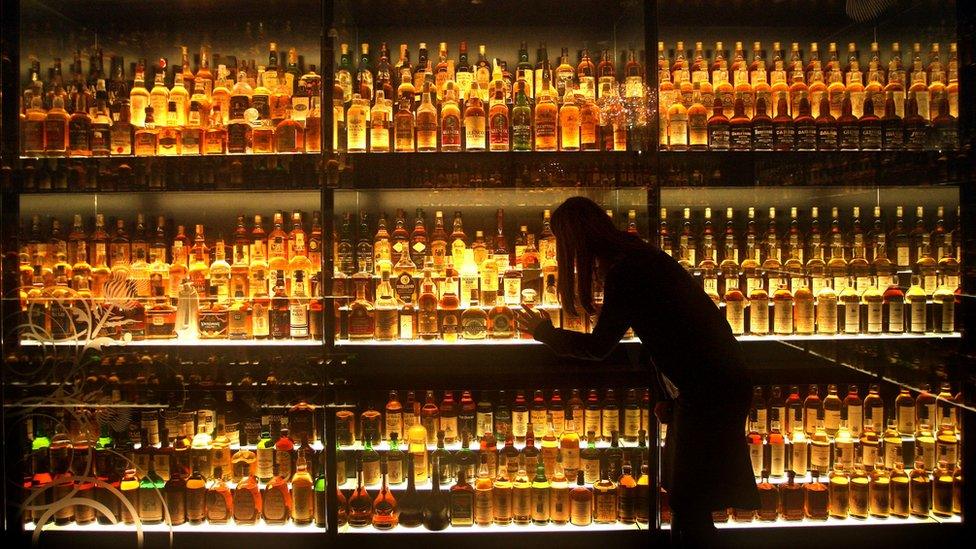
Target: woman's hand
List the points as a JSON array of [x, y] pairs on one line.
[[528, 319]]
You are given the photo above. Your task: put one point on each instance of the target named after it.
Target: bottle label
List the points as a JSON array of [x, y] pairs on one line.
[[782, 317], [591, 469], [571, 458], [756, 457], [522, 503], [611, 422], [451, 131], [820, 456], [605, 507], [265, 460], [450, 427], [482, 505], [871, 138], [735, 315], [917, 312], [274, 505], [869, 454], [799, 461], [631, 422], [831, 420], [854, 420], [474, 132], [893, 453], [371, 472], [852, 318], [719, 136], [741, 138], [763, 136], [580, 511], [540, 504], [777, 461], [906, 419], [759, 316]]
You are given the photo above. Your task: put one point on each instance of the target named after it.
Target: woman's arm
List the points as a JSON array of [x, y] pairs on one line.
[[615, 317]]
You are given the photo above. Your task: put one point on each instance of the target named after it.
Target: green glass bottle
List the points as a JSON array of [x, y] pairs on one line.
[[521, 123]]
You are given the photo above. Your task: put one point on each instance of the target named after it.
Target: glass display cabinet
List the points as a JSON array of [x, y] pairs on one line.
[[229, 310]]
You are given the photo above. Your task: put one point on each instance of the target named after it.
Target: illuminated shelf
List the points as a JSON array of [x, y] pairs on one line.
[[458, 343], [384, 446], [257, 343], [635, 341], [193, 157], [830, 522], [846, 337], [231, 527], [496, 529]]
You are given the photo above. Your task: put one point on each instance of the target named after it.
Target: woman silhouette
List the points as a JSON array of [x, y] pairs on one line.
[[689, 342]]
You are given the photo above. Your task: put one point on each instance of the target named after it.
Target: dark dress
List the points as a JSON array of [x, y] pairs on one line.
[[691, 344]]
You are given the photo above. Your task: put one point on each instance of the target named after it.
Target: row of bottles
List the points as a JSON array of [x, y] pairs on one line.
[[814, 105], [235, 110]]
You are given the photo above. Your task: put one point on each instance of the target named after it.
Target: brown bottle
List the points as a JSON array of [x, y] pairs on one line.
[[740, 128], [791, 498], [784, 130], [848, 129], [916, 128], [762, 127], [816, 499], [806, 128], [870, 126], [892, 127], [827, 133]]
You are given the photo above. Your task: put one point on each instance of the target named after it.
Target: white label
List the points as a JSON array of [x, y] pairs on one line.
[[449, 426], [902, 253], [756, 456], [875, 319], [800, 465], [869, 455], [759, 317], [761, 414], [852, 318], [820, 457], [919, 325], [896, 317], [831, 420], [777, 459], [611, 422], [893, 454], [520, 421], [854, 420], [906, 420], [735, 315]]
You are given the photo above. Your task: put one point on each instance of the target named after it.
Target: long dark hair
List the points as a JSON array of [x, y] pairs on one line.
[[585, 236]]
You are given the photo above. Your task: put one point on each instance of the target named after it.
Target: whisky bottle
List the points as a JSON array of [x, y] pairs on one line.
[[521, 496], [483, 494], [920, 492], [151, 493], [870, 444], [942, 487], [196, 496], [360, 504], [879, 493], [604, 500], [546, 116], [839, 492], [755, 442], [627, 496], [719, 130], [816, 498], [437, 506], [247, 501], [219, 499], [385, 511], [776, 443], [409, 504], [581, 503], [893, 450], [791, 497], [900, 491]]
